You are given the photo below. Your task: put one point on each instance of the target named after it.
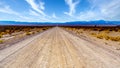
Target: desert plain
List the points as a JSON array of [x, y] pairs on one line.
[[60, 47]]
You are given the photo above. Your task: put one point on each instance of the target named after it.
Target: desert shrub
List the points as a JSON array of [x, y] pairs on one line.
[[1, 35], [115, 38], [7, 31], [95, 29], [93, 33], [33, 32], [102, 35], [105, 36], [80, 32], [99, 36], [28, 33], [119, 30], [107, 31], [1, 41], [38, 30], [43, 29]]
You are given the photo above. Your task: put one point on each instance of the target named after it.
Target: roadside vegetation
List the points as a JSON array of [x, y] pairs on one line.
[[107, 33], [109, 36], [9, 34], [1, 35], [1, 41], [104, 35]]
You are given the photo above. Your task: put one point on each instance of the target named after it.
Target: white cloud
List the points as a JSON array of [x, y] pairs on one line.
[[36, 16], [112, 9], [31, 12], [101, 9], [37, 10], [41, 5], [72, 5], [54, 15], [8, 10], [37, 7], [89, 15]]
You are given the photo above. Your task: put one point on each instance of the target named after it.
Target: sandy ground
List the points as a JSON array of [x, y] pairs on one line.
[[86, 34], [57, 48], [16, 36]]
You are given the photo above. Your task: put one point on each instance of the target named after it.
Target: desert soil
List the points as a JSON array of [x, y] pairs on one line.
[[57, 48]]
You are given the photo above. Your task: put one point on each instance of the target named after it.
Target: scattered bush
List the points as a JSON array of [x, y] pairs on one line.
[[43, 29], [7, 31], [1, 35], [33, 32], [28, 33], [93, 34], [105, 36], [115, 38], [102, 33], [1, 41]]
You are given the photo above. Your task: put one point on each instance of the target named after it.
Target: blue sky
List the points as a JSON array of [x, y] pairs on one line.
[[59, 10]]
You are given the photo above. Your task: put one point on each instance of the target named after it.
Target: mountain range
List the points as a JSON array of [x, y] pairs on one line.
[[73, 23]]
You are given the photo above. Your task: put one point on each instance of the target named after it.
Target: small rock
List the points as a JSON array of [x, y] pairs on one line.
[[117, 48]]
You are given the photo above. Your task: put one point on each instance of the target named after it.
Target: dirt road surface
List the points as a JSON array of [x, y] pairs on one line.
[[57, 48]]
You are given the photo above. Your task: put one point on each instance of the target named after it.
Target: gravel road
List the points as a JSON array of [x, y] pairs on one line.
[[57, 48]]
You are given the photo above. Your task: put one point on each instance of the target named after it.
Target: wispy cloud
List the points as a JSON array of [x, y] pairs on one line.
[[54, 15], [36, 16], [89, 15], [112, 9], [37, 7], [101, 9], [31, 12], [8, 10], [72, 5]]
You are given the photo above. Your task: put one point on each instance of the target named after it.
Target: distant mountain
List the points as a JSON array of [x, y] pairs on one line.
[[24, 23], [74, 23]]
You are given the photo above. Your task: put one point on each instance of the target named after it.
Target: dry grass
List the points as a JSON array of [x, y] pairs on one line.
[[117, 38], [1, 41], [28, 33], [1, 35], [105, 35], [18, 32], [101, 33], [15, 29]]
